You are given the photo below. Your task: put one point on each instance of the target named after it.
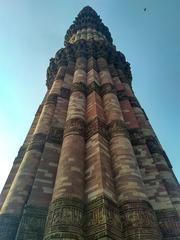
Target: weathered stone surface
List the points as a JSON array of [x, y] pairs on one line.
[[8, 226], [75, 126], [91, 162], [138, 221], [97, 126], [169, 223], [65, 219], [102, 220], [20, 155], [55, 135], [65, 93], [93, 86], [37, 142], [32, 223]]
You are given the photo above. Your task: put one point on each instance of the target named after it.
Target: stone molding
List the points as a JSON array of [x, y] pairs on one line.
[[87, 18], [88, 50], [80, 87], [52, 99], [169, 223], [65, 219], [136, 137], [138, 221], [65, 93], [117, 127], [75, 126], [55, 135], [154, 147], [107, 88], [122, 95], [102, 219], [37, 142]]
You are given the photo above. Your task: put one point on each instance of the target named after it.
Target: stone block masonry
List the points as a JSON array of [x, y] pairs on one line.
[[91, 166]]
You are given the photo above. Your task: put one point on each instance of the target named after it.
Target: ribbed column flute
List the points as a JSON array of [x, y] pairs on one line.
[[161, 160], [34, 215], [101, 211], [19, 157], [154, 185], [65, 216], [133, 201], [22, 184], [168, 214], [156, 193]]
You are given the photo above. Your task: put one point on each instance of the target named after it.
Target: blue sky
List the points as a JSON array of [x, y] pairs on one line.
[[32, 31]]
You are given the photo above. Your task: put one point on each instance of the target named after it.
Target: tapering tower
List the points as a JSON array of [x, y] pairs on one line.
[[91, 166]]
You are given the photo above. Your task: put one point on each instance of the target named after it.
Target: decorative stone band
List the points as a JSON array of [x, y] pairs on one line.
[[102, 220], [32, 223], [75, 126], [169, 223], [117, 127], [52, 99], [93, 87], [65, 93], [80, 87], [136, 137], [122, 95], [153, 145], [65, 219], [139, 221], [87, 19], [108, 88], [55, 135], [37, 142], [8, 226], [91, 49], [97, 126], [88, 34]]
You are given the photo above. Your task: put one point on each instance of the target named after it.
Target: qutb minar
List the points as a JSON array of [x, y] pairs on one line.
[[91, 166]]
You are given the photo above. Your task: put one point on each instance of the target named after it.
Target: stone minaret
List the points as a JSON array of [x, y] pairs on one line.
[[91, 166]]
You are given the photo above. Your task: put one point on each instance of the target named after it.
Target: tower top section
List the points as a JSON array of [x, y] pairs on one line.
[[89, 37], [88, 26]]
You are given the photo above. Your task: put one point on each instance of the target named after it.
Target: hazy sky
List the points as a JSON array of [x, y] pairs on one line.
[[32, 31]]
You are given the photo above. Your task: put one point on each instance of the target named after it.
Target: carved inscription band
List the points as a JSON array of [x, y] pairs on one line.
[[139, 219], [75, 126], [65, 219]]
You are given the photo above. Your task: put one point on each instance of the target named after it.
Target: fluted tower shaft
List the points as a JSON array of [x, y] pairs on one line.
[[91, 166]]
